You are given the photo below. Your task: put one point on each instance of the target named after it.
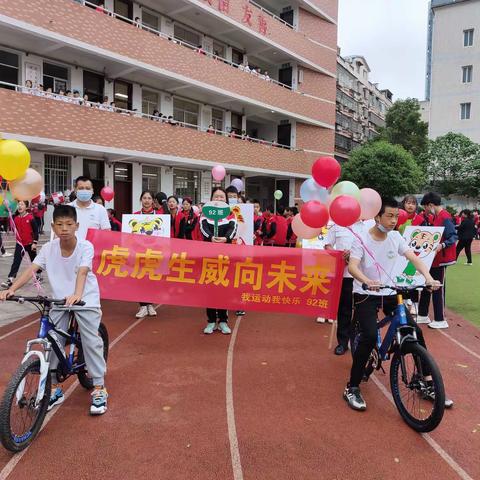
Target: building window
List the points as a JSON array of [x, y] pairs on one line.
[[468, 37], [186, 35], [8, 68], [217, 119], [185, 184], [57, 173], [151, 177], [237, 56], [149, 102], [93, 86], [467, 72], [55, 77], [218, 49], [465, 111], [186, 112], [150, 20], [122, 92]]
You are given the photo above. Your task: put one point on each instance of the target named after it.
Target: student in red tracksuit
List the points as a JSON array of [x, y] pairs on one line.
[[189, 221], [175, 216], [291, 237], [257, 223], [275, 227], [446, 255], [410, 205], [27, 239], [269, 227]]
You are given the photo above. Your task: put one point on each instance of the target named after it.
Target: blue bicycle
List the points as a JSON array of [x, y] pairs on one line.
[[25, 401], [415, 379]]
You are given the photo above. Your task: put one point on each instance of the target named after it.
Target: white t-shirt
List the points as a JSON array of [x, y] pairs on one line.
[[341, 238], [385, 254], [93, 216], [62, 271]]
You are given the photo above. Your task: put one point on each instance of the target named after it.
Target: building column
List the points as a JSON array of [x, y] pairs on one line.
[[136, 186], [291, 192], [293, 133], [76, 167], [227, 120], [110, 181], [108, 90], [205, 186], [205, 116], [137, 97]]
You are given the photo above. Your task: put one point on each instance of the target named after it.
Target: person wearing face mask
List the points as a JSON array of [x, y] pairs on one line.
[[232, 195], [380, 245], [446, 255], [89, 213]]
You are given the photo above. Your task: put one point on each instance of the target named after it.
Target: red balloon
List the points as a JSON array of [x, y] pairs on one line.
[[314, 214], [402, 217], [345, 210], [326, 171], [107, 193]]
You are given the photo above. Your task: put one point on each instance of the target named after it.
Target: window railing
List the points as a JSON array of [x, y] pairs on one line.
[[85, 103], [271, 14]]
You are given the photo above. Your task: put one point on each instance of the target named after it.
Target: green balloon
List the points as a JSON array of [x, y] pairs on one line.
[[345, 188], [278, 194], [11, 203]]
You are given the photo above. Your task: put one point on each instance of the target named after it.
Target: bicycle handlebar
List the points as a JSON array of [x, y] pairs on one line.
[[42, 300], [398, 288]]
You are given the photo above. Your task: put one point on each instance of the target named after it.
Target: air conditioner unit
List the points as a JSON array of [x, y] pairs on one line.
[[300, 75]]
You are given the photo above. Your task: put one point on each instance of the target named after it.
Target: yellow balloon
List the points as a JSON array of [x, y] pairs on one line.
[[1, 200], [14, 159]]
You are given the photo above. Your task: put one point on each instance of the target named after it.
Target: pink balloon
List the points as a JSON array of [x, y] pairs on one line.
[[218, 173], [370, 203], [345, 210], [238, 184], [28, 186], [107, 193], [303, 231], [326, 171]]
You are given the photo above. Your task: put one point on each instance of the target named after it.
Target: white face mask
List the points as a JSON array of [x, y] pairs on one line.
[[382, 228], [84, 195], [232, 201]]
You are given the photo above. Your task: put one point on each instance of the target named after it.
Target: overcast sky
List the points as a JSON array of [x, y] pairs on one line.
[[392, 36]]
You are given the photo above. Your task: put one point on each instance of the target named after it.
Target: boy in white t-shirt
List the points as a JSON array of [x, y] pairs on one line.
[[68, 262], [385, 245]]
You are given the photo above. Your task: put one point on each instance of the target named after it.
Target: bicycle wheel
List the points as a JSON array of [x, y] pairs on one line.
[[20, 419], [83, 377], [420, 403]]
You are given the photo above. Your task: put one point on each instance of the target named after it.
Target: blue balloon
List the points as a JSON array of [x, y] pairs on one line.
[[311, 190]]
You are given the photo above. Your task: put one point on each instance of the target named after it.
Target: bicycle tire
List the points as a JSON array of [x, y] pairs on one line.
[[6, 436], [420, 354], [85, 381]]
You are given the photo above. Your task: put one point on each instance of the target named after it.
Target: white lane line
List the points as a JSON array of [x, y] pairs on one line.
[[461, 345], [232, 430], [20, 328], [7, 470], [441, 452]]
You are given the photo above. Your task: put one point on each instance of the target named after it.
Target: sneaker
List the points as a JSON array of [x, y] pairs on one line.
[[443, 324], [340, 350], [320, 320], [56, 398], [210, 328], [7, 283], [329, 320], [224, 328], [143, 312], [8, 254], [99, 401], [239, 313], [423, 319], [354, 398], [469, 264], [430, 395], [151, 311]]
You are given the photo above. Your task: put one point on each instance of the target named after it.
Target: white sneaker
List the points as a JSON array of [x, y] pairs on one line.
[[8, 254], [469, 264], [329, 320], [422, 319], [224, 328], [320, 320], [143, 312], [414, 309], [151, 311], [443, 324], [210, 328]]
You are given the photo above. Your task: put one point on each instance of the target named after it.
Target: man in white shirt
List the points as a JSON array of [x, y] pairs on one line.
[[342, 238], [89, 213], [372, 260]]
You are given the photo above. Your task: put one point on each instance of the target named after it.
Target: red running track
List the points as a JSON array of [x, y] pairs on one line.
[[168, 409]]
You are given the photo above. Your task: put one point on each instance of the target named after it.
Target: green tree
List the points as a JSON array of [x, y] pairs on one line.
[[404, 126], [387, 168], [453, 165]]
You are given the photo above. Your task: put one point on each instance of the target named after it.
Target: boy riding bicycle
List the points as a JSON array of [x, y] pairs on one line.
[[68, 262], [372, 260]]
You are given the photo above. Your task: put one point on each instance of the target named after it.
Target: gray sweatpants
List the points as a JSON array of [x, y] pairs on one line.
[[88, 322]]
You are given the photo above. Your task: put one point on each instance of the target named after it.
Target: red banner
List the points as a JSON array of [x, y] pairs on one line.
[[141, 268]]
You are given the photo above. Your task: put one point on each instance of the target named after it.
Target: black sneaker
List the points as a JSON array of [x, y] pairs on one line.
[[7, 283], [430, 395], [239, 313], [354, 398], [340, 350]]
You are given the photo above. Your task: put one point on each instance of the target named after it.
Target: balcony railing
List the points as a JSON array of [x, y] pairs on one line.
[[268, 12], [81, 102]]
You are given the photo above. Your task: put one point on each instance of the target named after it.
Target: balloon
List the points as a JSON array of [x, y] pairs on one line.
[[107, 193], [314, 214], [370, 203], [310, 190], [7, 200], [238, 184], [345, 188], [345, 210], [303, 231], [326, 171], [28, 186], [14, 159], [196, 210], [218, 173], [402, 217], [278, 194]]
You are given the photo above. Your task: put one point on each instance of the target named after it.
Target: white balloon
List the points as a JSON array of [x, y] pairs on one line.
[[311, 190]]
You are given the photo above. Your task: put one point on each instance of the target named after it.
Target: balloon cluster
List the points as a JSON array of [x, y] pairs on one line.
[[344, 203], [218, 174], [24, 183]]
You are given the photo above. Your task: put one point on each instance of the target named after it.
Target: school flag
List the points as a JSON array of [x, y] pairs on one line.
[[138, 268]]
